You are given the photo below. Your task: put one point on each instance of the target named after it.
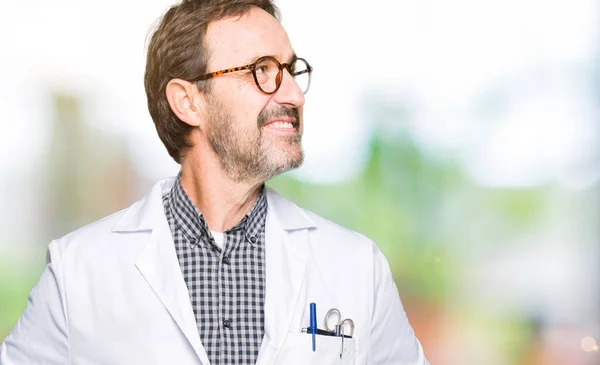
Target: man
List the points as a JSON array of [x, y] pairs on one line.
[[211, 267]]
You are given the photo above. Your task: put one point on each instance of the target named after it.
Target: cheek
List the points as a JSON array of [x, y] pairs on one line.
[[244, 103], [250, 110]]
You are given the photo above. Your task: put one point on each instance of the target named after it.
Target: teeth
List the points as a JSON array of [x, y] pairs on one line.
[[281, 125]]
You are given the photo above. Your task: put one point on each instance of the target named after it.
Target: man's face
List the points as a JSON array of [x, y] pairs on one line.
[[254, 135]]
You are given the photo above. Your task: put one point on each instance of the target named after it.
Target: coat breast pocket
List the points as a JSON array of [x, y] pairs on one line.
[[297, 349]]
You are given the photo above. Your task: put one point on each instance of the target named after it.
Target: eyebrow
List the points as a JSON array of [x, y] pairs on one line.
[[251, 60]]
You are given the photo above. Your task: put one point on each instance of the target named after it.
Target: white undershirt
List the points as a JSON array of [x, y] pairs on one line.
[[219, 238]]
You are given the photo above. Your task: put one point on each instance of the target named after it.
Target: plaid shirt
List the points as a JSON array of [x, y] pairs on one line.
[[226, 287]]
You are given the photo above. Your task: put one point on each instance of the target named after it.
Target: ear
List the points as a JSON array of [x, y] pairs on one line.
[[185, 101]]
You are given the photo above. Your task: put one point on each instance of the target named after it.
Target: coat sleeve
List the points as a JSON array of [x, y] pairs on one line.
[[392, 339], [41, 333]]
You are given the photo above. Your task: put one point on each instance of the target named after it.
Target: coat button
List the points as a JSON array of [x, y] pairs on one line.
[[193, 240], [226, 260], [253, 239], [226, 323]]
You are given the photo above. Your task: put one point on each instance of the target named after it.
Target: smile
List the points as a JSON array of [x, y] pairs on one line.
[[280, 125], [283, 125]]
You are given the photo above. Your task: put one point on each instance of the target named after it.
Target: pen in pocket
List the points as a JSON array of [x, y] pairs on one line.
[[323, 332], [313, 325]]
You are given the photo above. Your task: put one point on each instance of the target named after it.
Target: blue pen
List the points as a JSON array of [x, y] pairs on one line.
[[313, 325]]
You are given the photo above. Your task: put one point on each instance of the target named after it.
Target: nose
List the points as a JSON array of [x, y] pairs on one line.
[[289, 92]]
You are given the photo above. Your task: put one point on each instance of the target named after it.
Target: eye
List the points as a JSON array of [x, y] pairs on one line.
[[260, 69], [266, 65]]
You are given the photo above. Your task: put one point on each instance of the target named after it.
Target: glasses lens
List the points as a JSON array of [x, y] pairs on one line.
[[301, 73], [267, 70]]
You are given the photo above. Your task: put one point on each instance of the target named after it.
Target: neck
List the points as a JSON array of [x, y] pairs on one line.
[[222, 201]]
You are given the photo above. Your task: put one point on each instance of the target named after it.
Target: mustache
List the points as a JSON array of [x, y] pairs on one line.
[[278, 112]]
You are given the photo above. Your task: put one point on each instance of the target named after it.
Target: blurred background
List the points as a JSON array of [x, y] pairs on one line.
[[462, 136]]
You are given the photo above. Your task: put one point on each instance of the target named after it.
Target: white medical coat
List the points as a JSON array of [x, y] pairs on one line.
[[113, 293]]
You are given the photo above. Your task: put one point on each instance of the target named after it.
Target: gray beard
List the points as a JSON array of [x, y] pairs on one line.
[[244, 155]]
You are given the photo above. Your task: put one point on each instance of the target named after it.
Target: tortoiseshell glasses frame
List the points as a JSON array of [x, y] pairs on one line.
[[292, 68]]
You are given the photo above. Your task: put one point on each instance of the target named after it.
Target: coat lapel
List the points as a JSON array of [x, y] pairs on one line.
[[286, 260], [158, 264]]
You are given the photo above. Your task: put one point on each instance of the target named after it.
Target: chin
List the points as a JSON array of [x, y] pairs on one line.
[[290, 155], [283, 162]]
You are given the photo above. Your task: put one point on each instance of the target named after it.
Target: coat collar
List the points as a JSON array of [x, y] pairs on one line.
[[148, 212]]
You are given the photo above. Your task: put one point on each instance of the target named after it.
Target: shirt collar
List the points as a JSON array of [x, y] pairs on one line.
[[191, 221]]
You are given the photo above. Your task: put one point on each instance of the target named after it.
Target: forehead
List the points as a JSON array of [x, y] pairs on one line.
[[237, 40]]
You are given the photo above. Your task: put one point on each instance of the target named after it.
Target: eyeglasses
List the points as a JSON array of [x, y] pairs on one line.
[[267, 72]]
